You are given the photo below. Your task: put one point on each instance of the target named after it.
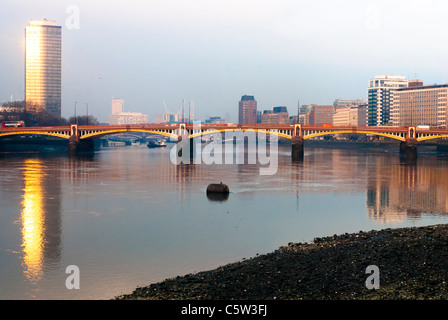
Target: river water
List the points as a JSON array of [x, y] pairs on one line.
[[129, 217]]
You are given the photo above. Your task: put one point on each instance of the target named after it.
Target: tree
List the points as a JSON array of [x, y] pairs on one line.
[[84, 120]]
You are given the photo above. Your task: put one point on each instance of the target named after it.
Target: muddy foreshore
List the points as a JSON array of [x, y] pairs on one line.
[[412, 264]]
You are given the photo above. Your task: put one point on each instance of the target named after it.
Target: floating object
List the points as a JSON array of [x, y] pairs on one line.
[[158, 143], [218, 188]]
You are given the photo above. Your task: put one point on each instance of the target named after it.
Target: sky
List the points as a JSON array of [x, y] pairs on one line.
[[212, 52]]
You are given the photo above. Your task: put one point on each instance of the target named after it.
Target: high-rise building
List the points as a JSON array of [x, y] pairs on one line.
[[420, 105], [247, 110], [380, 95], [43, 66], [117, 106]]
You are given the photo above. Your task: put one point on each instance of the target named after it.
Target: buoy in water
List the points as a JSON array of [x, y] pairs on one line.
[[218, 188]]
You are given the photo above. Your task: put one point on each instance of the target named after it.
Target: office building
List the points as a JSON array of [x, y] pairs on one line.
[[278, 115], [117, 106], [119, 117], [317, 115], [43, 66], [128, 118], [215, 120], [169, 117], [344, 103], [247, 110], [354, 116], [380, 95], [420, 105]]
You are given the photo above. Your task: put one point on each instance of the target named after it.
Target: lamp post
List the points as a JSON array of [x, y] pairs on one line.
[[87, 105], [76, 119]]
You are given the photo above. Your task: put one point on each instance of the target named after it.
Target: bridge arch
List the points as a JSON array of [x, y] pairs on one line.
[[432, 137], [213, 131], [387, 135], [28, 133], [99, 134]]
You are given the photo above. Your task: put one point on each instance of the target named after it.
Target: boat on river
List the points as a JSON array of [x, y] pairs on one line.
[[156, 143]]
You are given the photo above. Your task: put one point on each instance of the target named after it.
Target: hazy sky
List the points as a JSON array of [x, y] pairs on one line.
[[212, 52]]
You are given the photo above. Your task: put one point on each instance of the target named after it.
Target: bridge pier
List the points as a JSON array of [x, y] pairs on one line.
[[409, 151], [185, 150], [80, 147], [297, 149]]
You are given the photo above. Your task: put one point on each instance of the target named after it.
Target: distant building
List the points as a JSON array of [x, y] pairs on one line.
[[247, 110], [168, 117], [128, 118], [216, 120], [380, 96], [420, 105], [259, 113], [317, 115], [294, 119], [350, 116], [117, 106], [43, 66], [119, 117], [343, 103], [278, 115]]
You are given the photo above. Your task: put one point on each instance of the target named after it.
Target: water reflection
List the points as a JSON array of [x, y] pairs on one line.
[[405, 192], [40, 217], [218, 197]]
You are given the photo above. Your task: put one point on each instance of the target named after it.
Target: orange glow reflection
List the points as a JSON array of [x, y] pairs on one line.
[[32, 217]]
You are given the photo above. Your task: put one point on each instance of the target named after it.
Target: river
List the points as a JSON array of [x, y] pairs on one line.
[[129, 217]]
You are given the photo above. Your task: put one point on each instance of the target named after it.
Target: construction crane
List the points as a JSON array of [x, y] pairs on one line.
[[164, 104]]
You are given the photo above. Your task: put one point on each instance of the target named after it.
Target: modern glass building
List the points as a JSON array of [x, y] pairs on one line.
[[43, 66], [380, 97]]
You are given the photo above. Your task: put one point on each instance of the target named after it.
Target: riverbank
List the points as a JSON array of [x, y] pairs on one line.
[[412, 264]]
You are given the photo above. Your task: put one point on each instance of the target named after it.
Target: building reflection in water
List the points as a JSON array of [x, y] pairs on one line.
[[405, 192], [41, 222]]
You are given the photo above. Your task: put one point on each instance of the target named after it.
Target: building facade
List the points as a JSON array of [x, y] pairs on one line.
[[119, 117], [420, 105], [344, 103], [117, 106], [380, 96], [350, 116], [215, 120], [43, 71], [317, 115], [278, 115], [128, 118], [247, 110]]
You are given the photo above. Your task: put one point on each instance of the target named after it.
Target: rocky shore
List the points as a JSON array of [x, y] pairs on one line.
[[412, 265]]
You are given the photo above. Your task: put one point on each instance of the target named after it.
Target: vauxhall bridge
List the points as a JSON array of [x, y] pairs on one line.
[[80, 138]]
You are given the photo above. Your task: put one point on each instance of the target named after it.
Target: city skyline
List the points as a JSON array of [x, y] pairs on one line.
[[280, 52]]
